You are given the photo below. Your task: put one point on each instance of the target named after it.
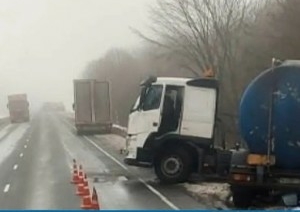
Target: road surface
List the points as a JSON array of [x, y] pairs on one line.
[[36, 159]]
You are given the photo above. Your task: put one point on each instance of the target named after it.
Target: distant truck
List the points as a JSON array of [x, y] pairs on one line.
[[54, 106], [18, 107], [92, 106]]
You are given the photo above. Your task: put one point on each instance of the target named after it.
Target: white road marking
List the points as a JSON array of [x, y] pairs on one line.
[[15, 166], [6, 188], [25, 146], [69, 155], [21, 155], [106, 153], [151, 188], [160, 195]]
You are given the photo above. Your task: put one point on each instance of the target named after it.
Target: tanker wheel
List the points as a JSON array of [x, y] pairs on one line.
[[242, 197], [173, 166]]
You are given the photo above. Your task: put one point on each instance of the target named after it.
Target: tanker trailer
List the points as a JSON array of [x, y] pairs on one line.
[[269, 117]]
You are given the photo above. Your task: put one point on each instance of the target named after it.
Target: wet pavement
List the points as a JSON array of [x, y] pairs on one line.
[[36, 170]]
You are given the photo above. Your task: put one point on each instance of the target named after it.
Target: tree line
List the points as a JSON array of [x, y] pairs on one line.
[[235, 38]]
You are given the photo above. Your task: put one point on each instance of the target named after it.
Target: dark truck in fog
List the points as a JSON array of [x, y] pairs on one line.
[[18, 107]]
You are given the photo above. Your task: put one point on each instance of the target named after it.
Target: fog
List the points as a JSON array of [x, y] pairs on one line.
[[45, 44]]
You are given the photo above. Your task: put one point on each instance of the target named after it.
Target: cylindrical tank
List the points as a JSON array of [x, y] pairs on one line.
[[284, 83]]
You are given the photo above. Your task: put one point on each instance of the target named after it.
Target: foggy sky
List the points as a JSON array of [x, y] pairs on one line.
[[44, 44]]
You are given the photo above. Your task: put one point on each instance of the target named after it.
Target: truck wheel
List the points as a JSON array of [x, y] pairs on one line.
[[173, 166], [242, 197]]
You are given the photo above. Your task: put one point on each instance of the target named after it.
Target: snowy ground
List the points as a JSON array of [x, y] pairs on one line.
[[10, 140], [214, 194]]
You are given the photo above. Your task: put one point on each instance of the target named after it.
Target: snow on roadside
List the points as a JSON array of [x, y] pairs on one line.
[[5, 130], [120, 127], [214, 194], [70, 115], [8, 144], [3, 116]]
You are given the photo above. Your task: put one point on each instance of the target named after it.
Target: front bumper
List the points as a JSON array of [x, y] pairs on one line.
[[139, 157]]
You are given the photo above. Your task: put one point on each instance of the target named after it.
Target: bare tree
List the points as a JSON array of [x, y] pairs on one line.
[[203, 31], [207, 34], [124, 73]]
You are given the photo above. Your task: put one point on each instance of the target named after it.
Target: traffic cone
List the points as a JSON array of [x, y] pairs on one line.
[[80, 175], [85, 181], [75, 178], [83, 188], [95, 203], [86, 203]]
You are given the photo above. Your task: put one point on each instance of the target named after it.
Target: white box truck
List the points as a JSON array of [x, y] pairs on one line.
[[92, 106]]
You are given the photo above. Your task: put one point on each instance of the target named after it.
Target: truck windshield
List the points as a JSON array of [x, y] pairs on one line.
[[17, 105], [153, 97]]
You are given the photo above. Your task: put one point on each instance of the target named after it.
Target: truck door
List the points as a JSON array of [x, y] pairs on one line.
[[146, 118], [199, 112]]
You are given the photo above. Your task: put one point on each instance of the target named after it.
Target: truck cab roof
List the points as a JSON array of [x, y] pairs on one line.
[[172, 80], [197, 82]]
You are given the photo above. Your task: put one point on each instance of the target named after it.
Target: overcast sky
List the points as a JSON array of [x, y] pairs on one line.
[[44, 44]]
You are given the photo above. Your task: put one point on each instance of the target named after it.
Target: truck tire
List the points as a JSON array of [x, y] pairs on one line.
[[242, 197], [173, 166]]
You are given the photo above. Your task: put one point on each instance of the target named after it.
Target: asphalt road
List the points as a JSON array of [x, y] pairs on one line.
[[36, 173], [35, 164]]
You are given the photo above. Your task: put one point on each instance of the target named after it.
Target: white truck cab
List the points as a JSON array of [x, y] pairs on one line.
[[171, 126]]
